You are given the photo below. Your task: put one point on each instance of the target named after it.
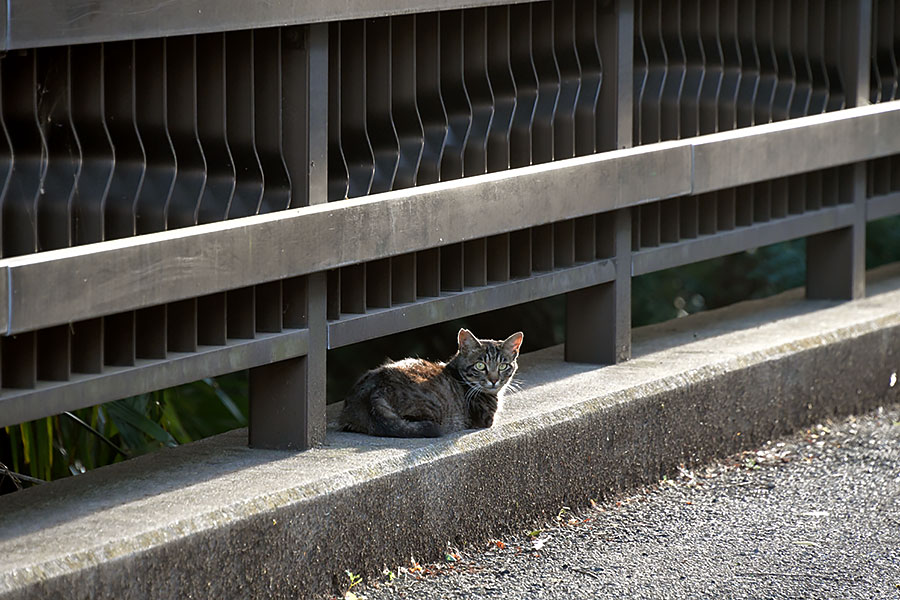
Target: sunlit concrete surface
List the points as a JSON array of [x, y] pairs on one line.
[[217, 519]]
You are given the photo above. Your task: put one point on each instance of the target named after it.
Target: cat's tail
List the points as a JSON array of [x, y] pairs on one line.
[[386, 422]]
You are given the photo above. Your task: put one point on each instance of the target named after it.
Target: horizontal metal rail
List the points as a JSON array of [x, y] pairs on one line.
[[39, 23], [666, 256], [115, 276], [18, 406], [451, 305], [881, 207]]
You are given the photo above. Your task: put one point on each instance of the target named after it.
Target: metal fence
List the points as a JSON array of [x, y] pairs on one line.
[[195, 188]]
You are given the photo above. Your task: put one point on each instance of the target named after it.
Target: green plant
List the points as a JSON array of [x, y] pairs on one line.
[[77, 441]]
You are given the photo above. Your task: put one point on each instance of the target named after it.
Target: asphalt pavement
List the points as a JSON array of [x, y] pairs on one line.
[[814, 515]]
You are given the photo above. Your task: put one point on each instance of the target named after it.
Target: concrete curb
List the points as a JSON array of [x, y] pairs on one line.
[[215, 519]]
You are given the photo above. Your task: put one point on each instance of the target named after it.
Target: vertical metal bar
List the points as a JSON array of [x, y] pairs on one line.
[[63, 154], [542, 247], [640, 68], [406, 119], [454, 94], [379, 286], [53, 351], [87, 346], [181, 320], [725, 210], [502, 87], [548, 83], [403, 278], [670, 31], [731, 65], [566, 56], [211, 128], [353, 289], [695, 68], [182, 111], [498, 257], [649, 224], [212, 320], [268, 126], [269, 307], [20, 89], [780, 197], [334, 295], [130, 160], [564, 244], [6, 157], [856, 40], [475, 262], [585, 239], [295, 299], [800, 52], [830, 187], [240, 124], [837, 97], [520, 253], [768, 65], [118, 339], [338, 172], [712, 79], [240, 314], [92, 135], [707, 207], [835, 261], [379, 117], [598, 319], [689, 217], [669, 221], [750, 67], [762, 201], [657, 71], [606, 235], [428, 273], [152, 203], [635, 228], [744, 205], [428, 96], [884, 59], [816, 42], [452, 268], [294, 108], [525, 79], [787, 77], [150, 332], [355, 142], [591, 63], [814, 190], [478, 89], [18, 360]]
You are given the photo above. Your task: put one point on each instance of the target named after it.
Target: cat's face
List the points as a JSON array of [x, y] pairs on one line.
[[487, 365]]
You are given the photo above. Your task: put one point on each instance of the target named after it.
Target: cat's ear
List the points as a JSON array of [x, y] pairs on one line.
[[512, 343], [467, 341]]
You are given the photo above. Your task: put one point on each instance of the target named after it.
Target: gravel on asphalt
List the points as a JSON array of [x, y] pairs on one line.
[[813, 515]]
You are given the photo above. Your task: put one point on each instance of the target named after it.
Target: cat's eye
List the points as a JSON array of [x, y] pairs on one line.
[[503, 366], [480, 366]]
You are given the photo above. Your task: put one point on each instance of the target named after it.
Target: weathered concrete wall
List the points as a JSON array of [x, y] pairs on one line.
[[215, 519]]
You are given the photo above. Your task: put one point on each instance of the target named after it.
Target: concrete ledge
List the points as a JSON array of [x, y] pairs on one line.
[[215, 519]]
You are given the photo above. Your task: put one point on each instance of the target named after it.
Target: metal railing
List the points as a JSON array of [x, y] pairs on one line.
[[269, 184]]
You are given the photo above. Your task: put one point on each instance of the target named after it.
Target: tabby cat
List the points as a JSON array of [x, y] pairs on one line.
[[420, 398]]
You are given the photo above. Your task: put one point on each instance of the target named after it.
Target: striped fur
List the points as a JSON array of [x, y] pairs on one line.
[[420, 398]]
